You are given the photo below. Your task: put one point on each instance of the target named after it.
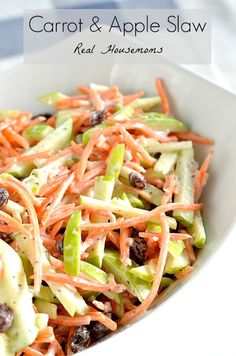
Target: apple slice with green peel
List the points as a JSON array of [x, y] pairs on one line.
[[123, 275], [100, 276], [72, 242], [197, 231]]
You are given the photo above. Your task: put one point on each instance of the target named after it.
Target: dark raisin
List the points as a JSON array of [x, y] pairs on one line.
[[135, 232], [80, 340], [60, 246], [138, 250], [137, 180], [6, 318], [98, 330], [4, 196], [97, 117], [46, 115], [6, 237]]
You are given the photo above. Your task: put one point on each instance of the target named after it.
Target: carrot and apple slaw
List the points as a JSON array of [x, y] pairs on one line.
[[99, 213]]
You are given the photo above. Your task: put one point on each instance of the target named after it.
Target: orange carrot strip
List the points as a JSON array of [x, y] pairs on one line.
[[37, 242], [91, 239], [190, 251], [55, 349], [110, 93], [34, 156], [103, 319], [5, 142], [72, 102], [140, 219], [124, 246], [71, 321], [164, 99], [159, 270], [45, 335], [94, 172], [169, 188], [96, 100], [30, 351], [156, 181], [12, 224], [185, 272], [80, 188], [83, 89], [127, 99], [134, 146], [114, 238], [136, 167], [149, 132], [57, 198], [13, 136], [83, 284], [136, 191], [85, 155], [191, 136], [202, 175], [56, 229]]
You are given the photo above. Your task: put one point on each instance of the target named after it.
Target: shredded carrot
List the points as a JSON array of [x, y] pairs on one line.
[[96, 100], [124, 246], [202, 176], [71, 321], [111, 93], [190, 250], [103, 319], [155, 181], [140, 219], [169, 188], [57, 198], [159, 269], [114, 238], [134, 146], [12, 224], [55, 346], [136, 167], [191, 136], [136, 191], [163, 95], [26, 198], [45, 335], [129, 98], [56, 229], [71, 103], [84, 158], [185, 272], [13, 136], [83, 284], [30, 351]]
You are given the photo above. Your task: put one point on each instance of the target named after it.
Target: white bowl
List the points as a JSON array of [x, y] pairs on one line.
[[196, 316]]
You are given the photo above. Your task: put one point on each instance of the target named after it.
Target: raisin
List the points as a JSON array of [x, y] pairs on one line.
[[135, 232], [6, 237], [97, 117], [137, 180], [80, 340], [98, 330], [4, 196], [6, 317], [138, 250], [60, 246]]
